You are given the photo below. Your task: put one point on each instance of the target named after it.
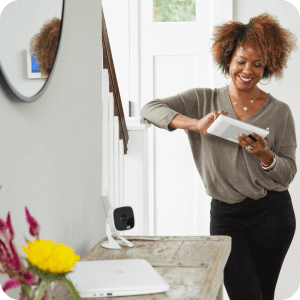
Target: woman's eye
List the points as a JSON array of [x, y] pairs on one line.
[[241, 62]]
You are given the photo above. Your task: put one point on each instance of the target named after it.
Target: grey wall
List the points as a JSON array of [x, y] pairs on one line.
[[287, 89], [50, 154]]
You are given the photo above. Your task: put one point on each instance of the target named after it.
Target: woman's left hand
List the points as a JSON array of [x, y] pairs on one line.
[[260, 147]]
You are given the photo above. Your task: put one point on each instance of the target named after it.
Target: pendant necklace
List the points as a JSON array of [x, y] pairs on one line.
[[244, 107]]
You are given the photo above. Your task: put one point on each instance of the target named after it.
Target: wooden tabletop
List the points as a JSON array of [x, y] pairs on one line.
[[192, 265]]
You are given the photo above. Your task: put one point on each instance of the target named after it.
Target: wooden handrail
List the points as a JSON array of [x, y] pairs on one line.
[[108, 63]]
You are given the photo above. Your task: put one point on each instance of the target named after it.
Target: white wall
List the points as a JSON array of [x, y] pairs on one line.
[[19, 22], [286, 90], [50, 154]]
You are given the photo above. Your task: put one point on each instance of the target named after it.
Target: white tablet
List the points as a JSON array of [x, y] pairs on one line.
[[228, 128]]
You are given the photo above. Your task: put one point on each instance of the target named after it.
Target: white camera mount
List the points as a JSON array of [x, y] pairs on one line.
[[111, 243], [111, 226]]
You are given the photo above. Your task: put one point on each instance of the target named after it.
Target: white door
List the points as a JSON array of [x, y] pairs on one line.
[[175, 57]]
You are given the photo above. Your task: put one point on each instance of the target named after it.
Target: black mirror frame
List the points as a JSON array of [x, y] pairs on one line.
[[12, 93]]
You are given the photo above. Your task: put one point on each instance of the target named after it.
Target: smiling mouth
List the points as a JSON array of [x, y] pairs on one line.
[[245, 80]]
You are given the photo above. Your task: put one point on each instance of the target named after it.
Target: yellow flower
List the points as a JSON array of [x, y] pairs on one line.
[[48, 257]]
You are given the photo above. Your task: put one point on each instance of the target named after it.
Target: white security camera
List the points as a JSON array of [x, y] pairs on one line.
[[118, 219]]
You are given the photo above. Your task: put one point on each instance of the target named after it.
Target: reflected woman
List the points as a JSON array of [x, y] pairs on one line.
[[248, 181], [43, 45]]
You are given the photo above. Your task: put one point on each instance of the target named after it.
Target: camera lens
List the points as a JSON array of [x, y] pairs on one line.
[[123, 218]]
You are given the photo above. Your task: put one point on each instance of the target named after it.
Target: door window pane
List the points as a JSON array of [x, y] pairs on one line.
[[174, 10]]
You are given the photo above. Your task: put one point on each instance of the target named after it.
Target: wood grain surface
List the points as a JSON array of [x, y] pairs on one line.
[[192, 265]]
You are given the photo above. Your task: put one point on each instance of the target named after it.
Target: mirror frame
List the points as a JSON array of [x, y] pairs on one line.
[[12, 93]]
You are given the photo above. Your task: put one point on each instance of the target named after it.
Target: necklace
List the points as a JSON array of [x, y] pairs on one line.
[[244, 107]]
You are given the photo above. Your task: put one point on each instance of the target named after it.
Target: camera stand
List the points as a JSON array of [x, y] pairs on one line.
[[113, 244]]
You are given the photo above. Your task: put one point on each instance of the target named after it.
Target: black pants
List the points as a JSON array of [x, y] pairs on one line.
[[261, 232]]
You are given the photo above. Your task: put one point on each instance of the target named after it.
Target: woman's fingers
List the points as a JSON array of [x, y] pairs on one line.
[[215, 114]]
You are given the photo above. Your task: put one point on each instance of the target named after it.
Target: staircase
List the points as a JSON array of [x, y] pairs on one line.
[[119, 170], [114, 131]]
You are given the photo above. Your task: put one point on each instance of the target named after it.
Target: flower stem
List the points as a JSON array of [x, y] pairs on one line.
[[41, 290], [27, 290], [71, 288]]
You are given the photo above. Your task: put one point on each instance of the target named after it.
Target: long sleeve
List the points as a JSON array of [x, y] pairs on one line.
[[285, 168], [230, 173], [160, 112]]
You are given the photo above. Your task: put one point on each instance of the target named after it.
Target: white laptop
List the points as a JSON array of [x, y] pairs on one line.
[[111, 278]]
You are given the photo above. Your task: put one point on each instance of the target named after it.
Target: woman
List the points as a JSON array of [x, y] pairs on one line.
[[43, 45], [248, 181]]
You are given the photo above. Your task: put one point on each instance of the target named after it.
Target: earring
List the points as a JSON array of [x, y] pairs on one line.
[[225, 74], [265, 83]]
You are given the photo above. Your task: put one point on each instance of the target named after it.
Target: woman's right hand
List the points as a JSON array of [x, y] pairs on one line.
[[205, 122]]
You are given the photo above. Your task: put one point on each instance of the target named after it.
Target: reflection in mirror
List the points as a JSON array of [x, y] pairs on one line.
[[43, 47], [25, 26]]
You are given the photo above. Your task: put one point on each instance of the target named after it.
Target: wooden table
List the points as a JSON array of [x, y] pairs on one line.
[[192, 265]]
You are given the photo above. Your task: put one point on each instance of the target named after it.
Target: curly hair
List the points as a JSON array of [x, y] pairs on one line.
[[43, 45], [264, 34]]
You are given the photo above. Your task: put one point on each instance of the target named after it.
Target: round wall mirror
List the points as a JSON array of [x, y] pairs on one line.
[[29, 34]]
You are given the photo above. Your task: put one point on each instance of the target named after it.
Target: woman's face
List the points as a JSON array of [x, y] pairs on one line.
[[245, 68]]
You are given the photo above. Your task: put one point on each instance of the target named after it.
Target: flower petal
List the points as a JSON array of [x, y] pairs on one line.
[[34, 227], [9, 225], [15, 260], [28, 277], [2, 225], [47, 256], [11, 284], [6, 230], [9, 256]]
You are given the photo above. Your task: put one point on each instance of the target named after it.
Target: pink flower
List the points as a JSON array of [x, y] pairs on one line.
[[9, 257], [8, 254], [11, 284], [16, 282], [28, 277], [6, 229], [34, 227]]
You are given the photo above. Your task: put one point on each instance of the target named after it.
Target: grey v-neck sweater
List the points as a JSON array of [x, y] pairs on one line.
[[229, 172]]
